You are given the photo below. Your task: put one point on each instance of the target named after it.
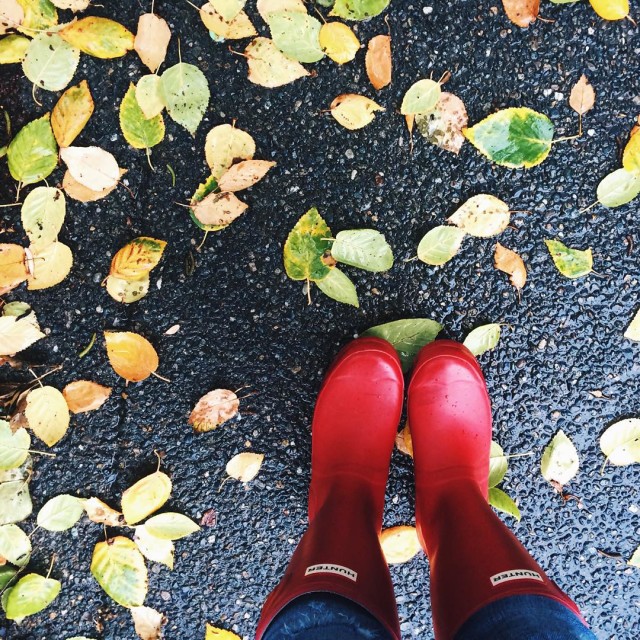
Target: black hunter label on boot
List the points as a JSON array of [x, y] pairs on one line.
[[515, 574], [332, 568]]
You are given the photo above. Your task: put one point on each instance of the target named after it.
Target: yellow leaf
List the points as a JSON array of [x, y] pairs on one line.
[[269, 67], [239, 27], [92, 167], [149, 95], [582, 96], [84, 395], [399, 544], [265, 7], [17, 334], [213, 633], [213, 409], [78, 191], [225, 145], [47, 414], [244, 174], [13, 267], [51, 266], [378, 61], [136, 259], [99, 37], [153, 548], [152, 40], [510, 262], [611, 9], [102, 513], [482, 216], [71, 113], [131, 356], [339, 42], [353, 111], [148, 622], [145, 496], [127, 291], [245, 466], [218, 210], [631, 155]]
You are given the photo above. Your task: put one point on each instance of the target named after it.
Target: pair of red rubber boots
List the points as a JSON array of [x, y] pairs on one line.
[[474, 558]]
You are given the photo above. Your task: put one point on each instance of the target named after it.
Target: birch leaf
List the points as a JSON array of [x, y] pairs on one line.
[[16, 334], [31, 594], [244, 174], [72, 5], [11, 15], [145, 496], [305, 248], [422, 97], [399, 544], [148, 622], [127, 291], [572, 263], [353, 111], [33, 153], [39, 15], [633, 330], [171, 526], [51, 266], [482, 339], [338, 286], [92, 167], [265, 7], [131, 356], [14, 446], [559, 460], [50, 62], [502, 502], [339, 42], [363, 248], [618, 188], [81, 193], [378, 61], [269, 67], [217, 211], [443, 126], [71, 113], [245, 466], [611, 9], [631, 154], [358, 9], [47, 414], [102, 513], [296, 34], [214, 409], [228, 9], [185, 91], [440, 244], [154, 549], [621, 442], [236, 29], [60, 513], [214, 633], [582, 96], [15, 501], [482, 216], [13, 48], [42, 213], [119, 568], [13, 267], [84, 395], [498, 464], [149, 95], [15, 545], [138, 131], [510, 262], [521, 12], [225, 145], [152, 39], [98, 37]]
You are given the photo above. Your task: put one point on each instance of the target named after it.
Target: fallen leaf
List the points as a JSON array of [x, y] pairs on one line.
[[78, 191], [559, 460], [172, 330], [138, 130], [572, 263], [92, 167], [148, 622], [296, 34], [363, 248], [72, 5], [47, 414], [634, 560], [482, 339], [137, 258], [611, 9], [15, 546], [102, 513], [265, 7], [339, 42], [14, 446], [15, 501], [33, 154], [498, 464], [618, 188], [217, 210], [245, 466], [582, 96], [482, 216], [404, 441], [440, 244], [131, 356], [244, 174], [225, 145], [510, 262], [358, 9], [378, 61], [98, 37], [236, 29], [13, 48], [443, 126], [213, 633], [31, 594], [631, 155], [399, 544], [503, 502], [152, 39], [154, 549], [145, 496], [171, 526], [60, 513], [633, 330], [51, 266], [521, 12], [127, 291], [42, 214], [13, 267], [269, 67], [71, 113], [306, 246], [39, 16], [11, 15], [17, 334], [185, 92], [50, 62], [213, 409], [422, 97], [338, 286], [84, 395], [353, 111], [621, 442], [149, 95], [228, 9]]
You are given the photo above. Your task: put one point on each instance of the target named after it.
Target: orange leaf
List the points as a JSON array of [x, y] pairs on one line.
[[218, 209], [137, 258], [244, 174], [510, 262], [582, 97], [131, 356], [84, 395], [213, 409], [152, 40], [378, 61], [13, 267], [521, 12]]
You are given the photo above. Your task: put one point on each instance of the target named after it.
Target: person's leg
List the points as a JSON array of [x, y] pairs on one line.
[[475, 560], [354, 428]]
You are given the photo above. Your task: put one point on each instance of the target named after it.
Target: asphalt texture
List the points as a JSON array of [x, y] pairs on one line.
[[243, 323]]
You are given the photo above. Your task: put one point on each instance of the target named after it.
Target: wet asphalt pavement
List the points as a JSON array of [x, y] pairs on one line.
[[243, 323]]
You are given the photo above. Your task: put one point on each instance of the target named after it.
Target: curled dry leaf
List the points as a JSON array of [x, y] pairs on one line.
[[510, 262], [443, 126], [582, 96], [244, 174], [152, 40], [482, 216], [378, 61], [404, 442], [145, 496], [399, 544], [13, 267], [245, 466], [92, 167], [47, 414], [71, 113], [353, 111], [131, 356], [84, 395], [148, 622], [521, 12], [102, 513], [213, 409], [218, 210]]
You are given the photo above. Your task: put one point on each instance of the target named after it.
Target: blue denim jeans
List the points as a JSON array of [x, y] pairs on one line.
[[325, 616]]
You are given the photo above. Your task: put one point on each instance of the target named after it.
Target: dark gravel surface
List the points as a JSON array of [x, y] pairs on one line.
[[243, 323]]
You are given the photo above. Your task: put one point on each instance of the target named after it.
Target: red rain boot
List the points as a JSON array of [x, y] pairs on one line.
[[354, 428], [474, 558]]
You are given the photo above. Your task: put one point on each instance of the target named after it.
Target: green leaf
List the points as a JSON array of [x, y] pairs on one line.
[[185, 91], [43, 212], [7, 574], [363, 248], [171, 526], [38, 15], [618, 188], [559, 460], [572, 263], [31, 594], [305, 248], [621, 442], [149, 95], [15, 545], [634, 560], [296, 35], [337, 285], [119, 568], [407, 336], [515, 137], [15, 501], [50, 62], [421, 97], [98, 37], [33, 153], [502, 502], [13, 48], [482, 339], [440, 244], [359, 9], [23, 473], [203, 190], [482, 216], [60, 513], [154, 548], [14, 447], [139, 132], [498, 465], [16, 309]]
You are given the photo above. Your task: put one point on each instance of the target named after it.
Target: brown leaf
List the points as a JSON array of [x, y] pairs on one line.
[[244, 174], [443, 126], [510, 262], [84, 395], [152, 40], [209, 518], [148, 622], [404, 442], [521, 12], [218, 209], [102, 513], [378, 61], [582, 97], [213, 409]]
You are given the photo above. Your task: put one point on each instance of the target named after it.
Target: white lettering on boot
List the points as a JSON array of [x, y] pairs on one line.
[[332, 568], [515, 574]]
